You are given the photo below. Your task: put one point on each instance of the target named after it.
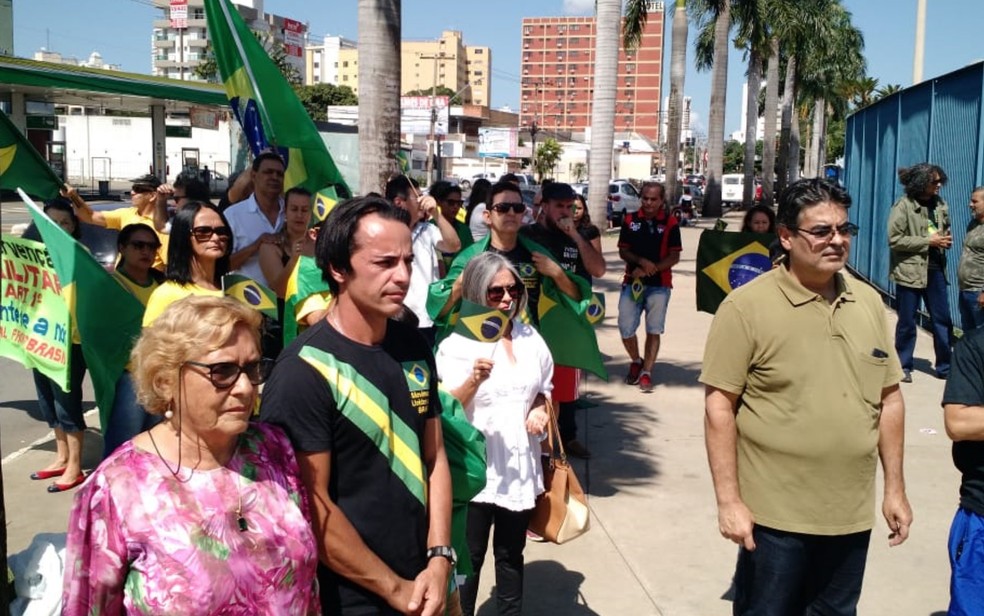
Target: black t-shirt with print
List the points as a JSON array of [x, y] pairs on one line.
[[965, 385], [394, 382], [522, 260], [644, 238], [562, 247]]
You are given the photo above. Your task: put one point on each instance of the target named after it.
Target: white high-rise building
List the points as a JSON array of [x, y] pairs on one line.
[[321, 61], [685, 132], [739, 135]]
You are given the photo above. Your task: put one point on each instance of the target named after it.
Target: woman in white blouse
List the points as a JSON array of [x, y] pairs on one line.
[[504, 387]]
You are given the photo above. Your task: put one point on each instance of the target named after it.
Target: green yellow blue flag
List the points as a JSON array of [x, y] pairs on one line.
[[107, 316], [725, 261], [266, 106], [596, 309], [636, 288], [250, 293], [481, 323], [21, 166], [304, 281]]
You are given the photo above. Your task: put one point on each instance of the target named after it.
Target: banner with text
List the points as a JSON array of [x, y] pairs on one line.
[[34, 318]]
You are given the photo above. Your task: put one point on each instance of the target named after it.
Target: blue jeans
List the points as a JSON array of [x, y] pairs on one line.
[[971, 313], [61, 409], [934, 296], [966, 547], [654, 302], [794, 573], [127, 419]]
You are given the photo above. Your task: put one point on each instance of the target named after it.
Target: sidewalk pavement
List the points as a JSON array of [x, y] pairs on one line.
[[654, 546]]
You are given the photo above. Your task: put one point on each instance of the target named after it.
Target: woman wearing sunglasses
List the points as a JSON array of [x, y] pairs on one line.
[[204, 513], [197, 257], [503, 387]]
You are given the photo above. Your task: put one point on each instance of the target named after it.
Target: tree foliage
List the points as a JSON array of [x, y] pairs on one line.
[[317, 98], [547, 155]]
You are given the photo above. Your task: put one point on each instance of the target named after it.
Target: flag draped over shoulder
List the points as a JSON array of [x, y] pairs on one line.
[[305, 281], [725, 261], [107, 316], [21, 166], [267, 108]]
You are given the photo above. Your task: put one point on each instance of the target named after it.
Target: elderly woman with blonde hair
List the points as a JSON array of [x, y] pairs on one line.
[[204, 513]]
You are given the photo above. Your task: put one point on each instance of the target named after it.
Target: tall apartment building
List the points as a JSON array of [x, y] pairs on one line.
[[446, 62], [686, 133], [6, 27], [178, 50], [558, 75], [321, 61], [94, 60]]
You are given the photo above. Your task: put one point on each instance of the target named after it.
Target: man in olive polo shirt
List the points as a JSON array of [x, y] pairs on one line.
[[802, 398]]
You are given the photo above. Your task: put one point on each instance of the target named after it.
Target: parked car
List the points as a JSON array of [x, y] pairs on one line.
[[623, 198], [466, 183], [581, 188], [732, 188]]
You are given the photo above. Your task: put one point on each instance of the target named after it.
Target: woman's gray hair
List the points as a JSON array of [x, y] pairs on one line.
[[478, 275]]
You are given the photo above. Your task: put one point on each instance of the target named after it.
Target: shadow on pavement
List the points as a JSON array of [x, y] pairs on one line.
[[92, 447], [549, 588]]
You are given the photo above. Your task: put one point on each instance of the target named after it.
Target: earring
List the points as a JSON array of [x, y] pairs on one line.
[[169, 413]]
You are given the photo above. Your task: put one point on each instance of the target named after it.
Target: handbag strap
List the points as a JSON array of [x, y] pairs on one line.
[[552, 429]]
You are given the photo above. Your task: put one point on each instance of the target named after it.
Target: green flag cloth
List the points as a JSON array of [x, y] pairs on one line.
[[725, 261], [34, 322], [266, 106], [481, 323], [107, 316], [251, 293], [464, 446], [21, 166], [304, 282], [564, 323]]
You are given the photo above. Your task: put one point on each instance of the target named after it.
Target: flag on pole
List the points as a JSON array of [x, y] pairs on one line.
[[21, 166], [481, 323], [266, 106], [251, 293], [107, 316], [725, 261]]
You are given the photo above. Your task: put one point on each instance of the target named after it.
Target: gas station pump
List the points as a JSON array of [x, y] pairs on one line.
[[55, 154], [189, 162]]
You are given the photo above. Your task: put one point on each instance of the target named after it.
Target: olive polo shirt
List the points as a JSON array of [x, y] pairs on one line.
[[810, 377]]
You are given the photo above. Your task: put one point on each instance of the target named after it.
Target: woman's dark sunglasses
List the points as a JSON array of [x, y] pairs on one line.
[[145, 245], [502, 208], [204, 234], [495, 294], [224, 375]]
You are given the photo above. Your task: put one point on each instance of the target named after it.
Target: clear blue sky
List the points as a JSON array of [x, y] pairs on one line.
[[121, 29]]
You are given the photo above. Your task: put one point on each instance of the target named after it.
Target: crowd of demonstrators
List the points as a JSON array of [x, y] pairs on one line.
[[794, 472], [478, 201], [258, 218], [918, 238], [504, 392], [278, 259], [970, 272], [650, 245], [205, 501], [448, 197]]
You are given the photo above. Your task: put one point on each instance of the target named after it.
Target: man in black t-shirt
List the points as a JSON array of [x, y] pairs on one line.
[[357, 395], [963, 406]]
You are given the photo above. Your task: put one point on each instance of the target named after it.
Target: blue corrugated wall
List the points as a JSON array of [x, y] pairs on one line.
[[939, 121]]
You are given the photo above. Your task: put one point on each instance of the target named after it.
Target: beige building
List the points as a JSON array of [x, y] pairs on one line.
[[446, 62]]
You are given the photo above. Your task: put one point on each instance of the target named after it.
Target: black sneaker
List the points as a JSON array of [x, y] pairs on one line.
[[906, 376], [635, 369]]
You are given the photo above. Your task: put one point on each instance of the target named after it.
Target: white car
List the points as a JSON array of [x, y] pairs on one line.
[[623, 198], [732, 188], [467, 184]]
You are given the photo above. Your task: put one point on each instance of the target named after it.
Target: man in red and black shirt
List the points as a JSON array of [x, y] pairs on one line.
[[649, 243]]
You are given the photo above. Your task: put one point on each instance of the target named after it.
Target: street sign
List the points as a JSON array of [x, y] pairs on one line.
[[203, 117], [415, 115], [179, 13], [498, 142], [294, 38]]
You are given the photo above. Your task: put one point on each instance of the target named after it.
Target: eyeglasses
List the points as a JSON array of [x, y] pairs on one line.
[[224, 375], [826, 232], [204, 234], [936, 182], [502, 208], [495, 294], [145, 245]]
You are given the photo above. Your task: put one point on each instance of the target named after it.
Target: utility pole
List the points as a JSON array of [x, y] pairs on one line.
[[917, 58], [433, 116], [535, 128]]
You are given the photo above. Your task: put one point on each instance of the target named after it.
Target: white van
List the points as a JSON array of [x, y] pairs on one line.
[[732, 188]]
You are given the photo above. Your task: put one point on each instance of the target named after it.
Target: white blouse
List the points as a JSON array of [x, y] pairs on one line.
[[514, 476]]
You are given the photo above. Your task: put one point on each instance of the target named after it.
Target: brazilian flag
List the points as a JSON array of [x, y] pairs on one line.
[[21, 166], [725, 261], [107, 316], [304, 282], [596, 309], [267, 108], [323, 204], [251, 293], [481, 323]]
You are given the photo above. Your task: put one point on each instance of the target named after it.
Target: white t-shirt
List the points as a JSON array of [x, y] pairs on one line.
[[479, 228], [425, 269], [514, 476], [248, 223]]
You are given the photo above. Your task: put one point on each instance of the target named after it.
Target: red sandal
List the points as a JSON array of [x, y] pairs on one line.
[[62, 487], [39, 475]]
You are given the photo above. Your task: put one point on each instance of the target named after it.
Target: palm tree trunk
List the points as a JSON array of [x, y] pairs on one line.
[[603, 106], [715, 117], [816, 138], [793, 163], [751, 124], [788, 102], [379, 92], [769, 144], [678, 69]]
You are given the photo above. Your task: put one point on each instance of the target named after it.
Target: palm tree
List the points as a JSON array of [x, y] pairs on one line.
[[887, 90], [715, 16], [379, 96], [678, 69], [769, 138], [603, 104]]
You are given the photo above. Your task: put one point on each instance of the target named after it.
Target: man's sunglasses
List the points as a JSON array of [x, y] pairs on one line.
[[204, 234], [495, 294], [502, 208], [224, 375]]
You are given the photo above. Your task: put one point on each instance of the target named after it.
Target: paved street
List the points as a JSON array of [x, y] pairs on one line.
[[653, 548]]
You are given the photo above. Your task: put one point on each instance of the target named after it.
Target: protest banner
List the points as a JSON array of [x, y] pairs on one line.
[[34, 318]]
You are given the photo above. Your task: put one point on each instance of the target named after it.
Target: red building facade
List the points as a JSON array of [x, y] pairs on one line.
[[557, 76]]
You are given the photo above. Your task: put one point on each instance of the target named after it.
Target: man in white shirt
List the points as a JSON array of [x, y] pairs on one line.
[[258, 218], [429, 240]]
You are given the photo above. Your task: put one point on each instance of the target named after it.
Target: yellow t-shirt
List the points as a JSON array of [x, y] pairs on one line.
[[119, 218], [168, 293], [141, 292]]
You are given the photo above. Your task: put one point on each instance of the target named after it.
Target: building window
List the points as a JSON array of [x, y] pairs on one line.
[[479, 52], [478, 73], [345, 64], [344, 77], [527, 30]]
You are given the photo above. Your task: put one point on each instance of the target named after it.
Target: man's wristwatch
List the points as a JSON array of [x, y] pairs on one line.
[[444, 551]]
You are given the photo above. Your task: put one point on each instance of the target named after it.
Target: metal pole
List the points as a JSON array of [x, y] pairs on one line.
[[181, 54], [920, 45]]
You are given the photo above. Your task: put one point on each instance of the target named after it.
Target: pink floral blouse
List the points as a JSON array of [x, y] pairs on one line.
[[142, 542]]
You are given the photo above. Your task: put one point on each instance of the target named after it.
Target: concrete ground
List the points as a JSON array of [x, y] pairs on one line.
[[653, 547]]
